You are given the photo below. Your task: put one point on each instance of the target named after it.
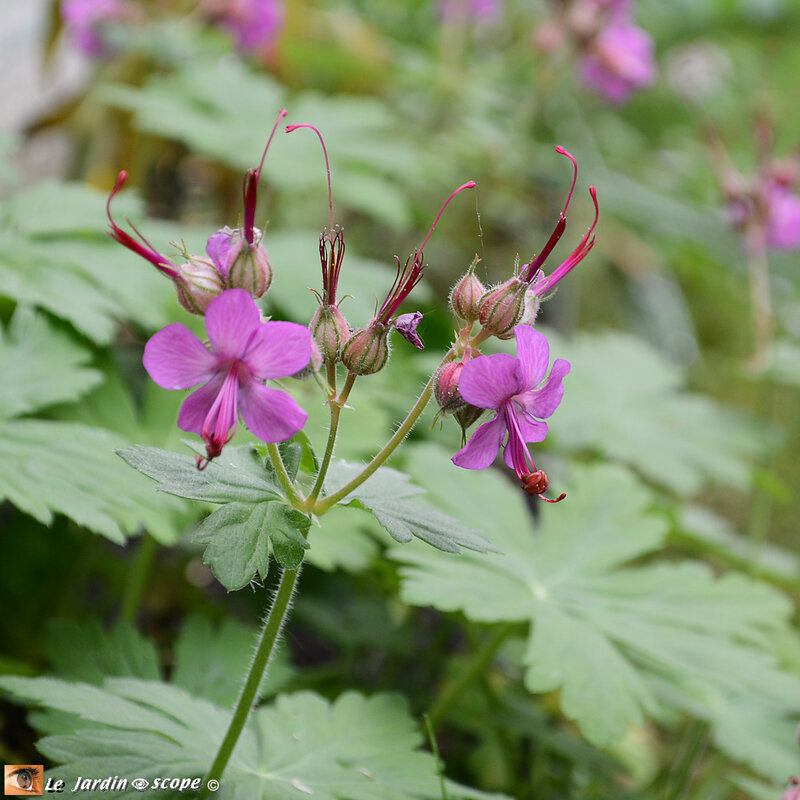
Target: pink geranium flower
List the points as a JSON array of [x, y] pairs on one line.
[[511, 387], [620, 60], [792, 790], [84, 19], [244, 353], [255, 24], [783, 217]]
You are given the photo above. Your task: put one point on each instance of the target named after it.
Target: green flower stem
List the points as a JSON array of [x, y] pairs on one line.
[[327, 503], [336, 404], [476, 667], [294, 497], [137, 577], [266, 645]]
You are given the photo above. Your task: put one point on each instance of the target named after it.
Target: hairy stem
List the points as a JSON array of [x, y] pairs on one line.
[[266, 645], [475, 668], [294, 497], [336, 404], [137, 577], [405, 428]]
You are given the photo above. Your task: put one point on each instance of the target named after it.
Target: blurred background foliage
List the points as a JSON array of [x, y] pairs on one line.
[[643, 642]]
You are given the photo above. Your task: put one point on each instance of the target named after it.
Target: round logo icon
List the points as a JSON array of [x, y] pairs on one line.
[[212, 785], [140, 784]]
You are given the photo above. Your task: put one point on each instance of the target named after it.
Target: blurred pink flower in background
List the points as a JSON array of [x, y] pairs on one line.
[[85, 18], [618, 61], [254, 24], [782, 223]]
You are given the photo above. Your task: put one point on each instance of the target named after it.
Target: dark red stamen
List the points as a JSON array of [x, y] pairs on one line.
[[146, 251], [331, 254]]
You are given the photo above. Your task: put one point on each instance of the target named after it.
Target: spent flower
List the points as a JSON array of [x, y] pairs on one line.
[[244, 353], [516, 389]]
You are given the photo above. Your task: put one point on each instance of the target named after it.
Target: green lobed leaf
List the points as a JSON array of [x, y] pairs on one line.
[[619, 642], [40, 365], [49, 467], [384, 494], [355, 748], [238, 475], [643, 417]]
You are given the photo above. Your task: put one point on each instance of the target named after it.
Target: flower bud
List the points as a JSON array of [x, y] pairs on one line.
[[198, 282], [503, 307], [245, 265], [466, 295], [445, 387], [367, 349], [330, 331]]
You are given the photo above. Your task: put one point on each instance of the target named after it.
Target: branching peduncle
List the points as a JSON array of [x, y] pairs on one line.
[[294, 497], [336, 404], [327, 503]]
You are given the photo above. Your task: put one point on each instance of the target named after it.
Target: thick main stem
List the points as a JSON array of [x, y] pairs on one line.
[[266, 645]]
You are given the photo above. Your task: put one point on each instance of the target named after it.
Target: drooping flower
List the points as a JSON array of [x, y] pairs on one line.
[[244, 353], [85, 18], [619, 60], [254, 24], [514, 388]]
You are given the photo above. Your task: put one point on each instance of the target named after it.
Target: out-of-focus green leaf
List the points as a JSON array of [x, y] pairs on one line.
[[347, 539], [40, 366], [49, 468], [627, 403], [210, 661]]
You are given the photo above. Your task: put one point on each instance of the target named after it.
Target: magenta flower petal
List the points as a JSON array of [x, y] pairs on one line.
[[532, 431], [231, 321], [543, 402], [481, 450], [270, 414], [196, 406], [487, 381], [218, 248], [533, 354], [278, 349], [176, 359]]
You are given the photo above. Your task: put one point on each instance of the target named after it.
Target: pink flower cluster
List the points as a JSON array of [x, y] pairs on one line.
[[84, 19], [254, 24], [616, 56], [766, 206]]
